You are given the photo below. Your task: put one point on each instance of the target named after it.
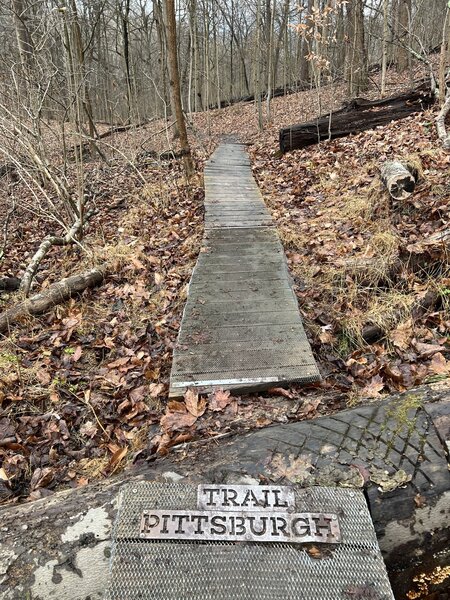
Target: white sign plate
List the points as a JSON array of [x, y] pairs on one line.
[[257, 526], [240, 498]]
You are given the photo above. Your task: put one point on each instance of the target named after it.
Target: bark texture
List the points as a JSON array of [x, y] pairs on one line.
[[175, 90], [358, 115], [398, 180], [440, 124], [56, 294]]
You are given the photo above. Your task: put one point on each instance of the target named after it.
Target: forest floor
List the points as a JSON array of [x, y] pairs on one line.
[[84, 388]]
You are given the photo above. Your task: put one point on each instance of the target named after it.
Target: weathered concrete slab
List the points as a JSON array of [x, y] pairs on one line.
[[241, 281]]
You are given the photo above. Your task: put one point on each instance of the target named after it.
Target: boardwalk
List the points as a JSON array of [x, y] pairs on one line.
[[241, 327]]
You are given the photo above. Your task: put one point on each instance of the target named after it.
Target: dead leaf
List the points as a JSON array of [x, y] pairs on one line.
[[195, 405], [401, 336], [296, 469], [139, 393], [439, 365], [428, 350], [373, 389], [388, 482], [174, 421], [77, 354], [119, 362], [309, 409], [43, 376], [318, 553], [175, 406], [116, 459], [219, 399], [278, 391], [420, 501], [156, 389], [41, 478], [89, 429]]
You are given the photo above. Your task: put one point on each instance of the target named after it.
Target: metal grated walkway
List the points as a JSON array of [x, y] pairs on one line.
[[241, 326]]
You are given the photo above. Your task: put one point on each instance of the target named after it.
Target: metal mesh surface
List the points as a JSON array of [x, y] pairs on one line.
[[241, 571], [241, 282]]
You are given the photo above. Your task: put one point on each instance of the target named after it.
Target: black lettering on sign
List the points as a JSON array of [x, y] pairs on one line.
[[218, 521], [253, 529], [240, 526], [199, 519], [165, 518], [257, 526], [301, 527], [210, 493], [237, 498], [278, 502], [322, 525], [180, 522], [229, 497], [251, 500]]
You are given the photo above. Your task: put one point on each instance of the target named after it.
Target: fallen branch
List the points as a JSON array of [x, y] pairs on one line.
[[440, 124], [45, 248], [56, 294], [122, 128]]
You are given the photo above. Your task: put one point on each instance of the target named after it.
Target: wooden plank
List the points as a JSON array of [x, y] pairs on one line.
[[241, 326]]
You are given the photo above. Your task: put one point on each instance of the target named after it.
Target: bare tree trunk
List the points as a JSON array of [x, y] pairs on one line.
[[357, 66], [445, 49], [258, 66], [24, 41], [305, 65], [440, 124], [126, 55], [175, 89], [385, 48], [270, 78], [404, 16]]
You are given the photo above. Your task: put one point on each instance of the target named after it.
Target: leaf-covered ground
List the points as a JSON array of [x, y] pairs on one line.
[[83, 389]]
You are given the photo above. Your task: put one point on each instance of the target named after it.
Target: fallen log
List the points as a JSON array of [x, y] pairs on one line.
[[282, 90], [358, 115], [398, 180], [56, 294], [59, 546]]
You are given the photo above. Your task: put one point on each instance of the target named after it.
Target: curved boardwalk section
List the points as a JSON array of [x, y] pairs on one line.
[[241, 327]]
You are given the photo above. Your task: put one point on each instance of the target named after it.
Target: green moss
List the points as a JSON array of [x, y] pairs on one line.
[[400, 412]]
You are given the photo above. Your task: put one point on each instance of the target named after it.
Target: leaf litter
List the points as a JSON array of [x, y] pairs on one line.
[[84, 388]]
